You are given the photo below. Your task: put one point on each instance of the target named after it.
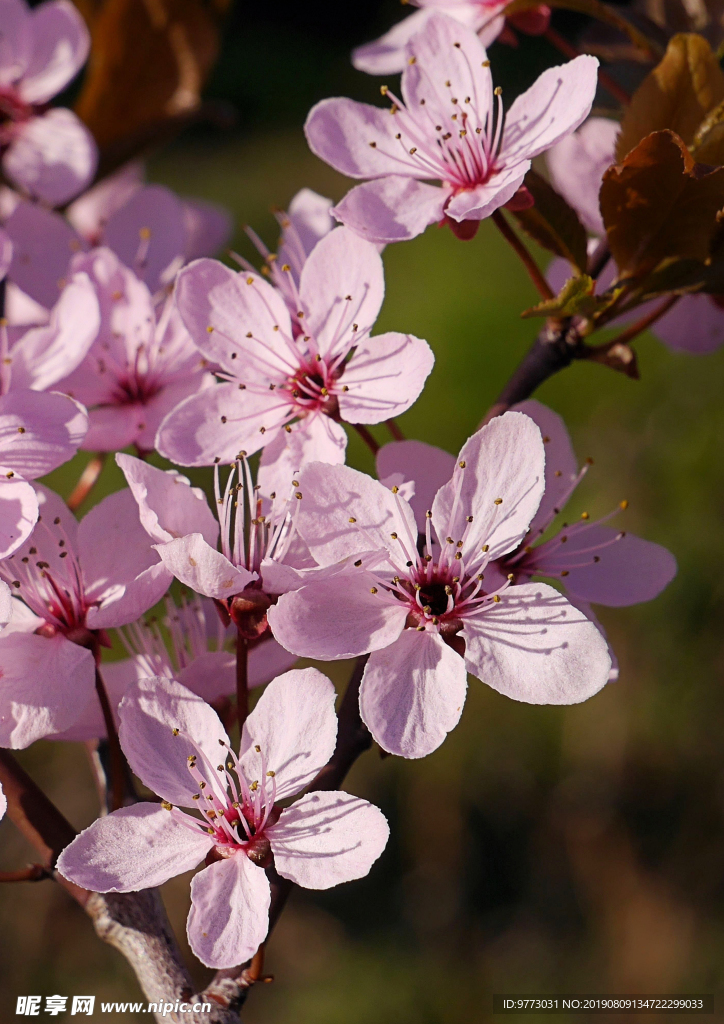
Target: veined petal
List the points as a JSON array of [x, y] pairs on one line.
[[148, 234], [60, 48], [500, 486], [412, 693], [149, 713], [535, 647], [295, 727], [561, 464], [137, 847], [39, 431], [169, 507], [315, 438], [386, 55], [18, 512], [385, 376], [43, 243], [194, 562], [328, 838], [392, 208], [53, 157], [337, 618], [479, 202], [229, 916], [577, 164], [423, 464]]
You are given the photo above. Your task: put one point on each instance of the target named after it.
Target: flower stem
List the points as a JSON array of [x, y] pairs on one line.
[[529, 263], [242, 680], [117, 760], [391, 425], [32, 873], [367, 437], [88, 480], [639, 326], [569, 50]]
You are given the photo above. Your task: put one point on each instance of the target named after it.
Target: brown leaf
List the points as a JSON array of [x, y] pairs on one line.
[[553, 223], [149, 61], [677, 94], [617, 356], [658, 204]]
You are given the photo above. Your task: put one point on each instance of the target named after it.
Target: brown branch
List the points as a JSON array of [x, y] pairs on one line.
[[242, 679], [88, 480], [230, 986], [391, 425], [642, 324], [368, 439], [534, 272], [117, 760], [32, 873]]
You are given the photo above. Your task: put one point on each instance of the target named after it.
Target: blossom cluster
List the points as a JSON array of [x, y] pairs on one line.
[[123, 334]]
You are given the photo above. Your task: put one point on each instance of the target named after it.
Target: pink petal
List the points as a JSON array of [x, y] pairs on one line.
[[61, 43], [121, 569], [588, 611], [386, 56], [576, 165], [218, 423], [43, 243], [629, 570], [328, 838], [445, 51], [208, 228], [148, 234], [137, 847], [412, 693], [150, 712], [16, 41], [45, 355], [267, 660], [53, 157], [428, 467], [695, 325], [310, 219], [114, 426], [385, 376], [6, 605], [558, 101], [90, 212], [392, 209], [168, 505], [39, 432], [194, 562], [315, 438], [44, 686], [535, 647], [342, 284], [6, 253], [211, 675], [561, 463], [295, 726], [343, 511], [478, 203], [229, 916], [243, 311], [3, 804], [117, 677], [18, 512], [340, 131], [337, 618], [504, 460]]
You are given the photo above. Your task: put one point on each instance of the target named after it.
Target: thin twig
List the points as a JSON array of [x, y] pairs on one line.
[[639, 326], [391, 425], [242, 679], [88, 480], [368, 439], [569, 50], [32, 873], [544, 289], [117, 760]]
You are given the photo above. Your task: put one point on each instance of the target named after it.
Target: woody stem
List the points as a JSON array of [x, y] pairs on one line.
[[242, 679], [117, 760], [367, 438], [518, 246], [643, 323], [87, 481]]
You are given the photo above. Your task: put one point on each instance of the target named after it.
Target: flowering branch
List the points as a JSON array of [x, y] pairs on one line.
[[529, 263]]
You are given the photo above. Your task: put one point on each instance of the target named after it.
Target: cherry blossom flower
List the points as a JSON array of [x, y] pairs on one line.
[[3, 804], [386, 56], [429, 618], [6, 253], [47, 153], [195, 648], [178, 747], [71, 581], [280, 380], [695, 324], [594, 563], [150, 229], [450, 128], [139, 367], [260, 555]]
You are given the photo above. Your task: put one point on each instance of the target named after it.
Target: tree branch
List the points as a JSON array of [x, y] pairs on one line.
[[534, 272]]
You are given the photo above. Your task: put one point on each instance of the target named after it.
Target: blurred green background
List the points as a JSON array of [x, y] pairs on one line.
[[540, 849]]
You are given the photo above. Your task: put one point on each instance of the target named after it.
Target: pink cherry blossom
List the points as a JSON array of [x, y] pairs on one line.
[[174, 742], [260, 554], [3, 804], [47, 153], [150, 229], [195, 648], [450, 128], [430, 618], [386, 56], [695, 324], [277, 379], [141, 364], [6, 253], [70, 580]]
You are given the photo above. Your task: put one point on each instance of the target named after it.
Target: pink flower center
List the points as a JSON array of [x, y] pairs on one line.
[[231, 809]]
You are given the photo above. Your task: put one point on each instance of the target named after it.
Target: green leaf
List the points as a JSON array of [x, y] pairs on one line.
[[552, 223], [575, 297]]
